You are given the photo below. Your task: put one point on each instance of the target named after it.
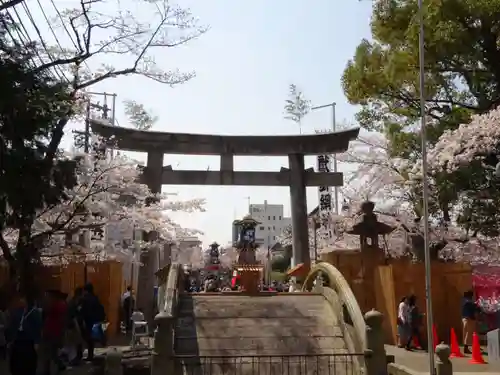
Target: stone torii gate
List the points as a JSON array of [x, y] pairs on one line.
[[156, 144]]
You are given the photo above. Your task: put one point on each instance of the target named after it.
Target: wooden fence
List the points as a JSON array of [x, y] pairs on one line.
[[381, 283], [106, 277]]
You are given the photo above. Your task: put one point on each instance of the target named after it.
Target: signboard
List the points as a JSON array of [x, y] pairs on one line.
[[325, 201]]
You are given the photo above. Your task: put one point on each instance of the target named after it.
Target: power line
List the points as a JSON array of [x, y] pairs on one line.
[[63, 25], [19, 42], [26, 38], [42, 41], [51, 29], [62, 21]]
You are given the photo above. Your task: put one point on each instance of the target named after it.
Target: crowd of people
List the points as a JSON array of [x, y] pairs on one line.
[[50, 332], [213, 283], [410, 322]]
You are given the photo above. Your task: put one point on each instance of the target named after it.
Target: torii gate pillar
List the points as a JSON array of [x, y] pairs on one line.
[[300, 232]]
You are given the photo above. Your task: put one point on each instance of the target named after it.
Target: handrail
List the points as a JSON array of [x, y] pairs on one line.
[[339, 285], [172, 290]]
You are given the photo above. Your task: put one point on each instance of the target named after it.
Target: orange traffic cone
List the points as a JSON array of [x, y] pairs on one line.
[[477, 356], [455, 349], [435, 338]]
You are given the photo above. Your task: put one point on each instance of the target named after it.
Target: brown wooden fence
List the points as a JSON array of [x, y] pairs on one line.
[[106, 277], [381, 283]]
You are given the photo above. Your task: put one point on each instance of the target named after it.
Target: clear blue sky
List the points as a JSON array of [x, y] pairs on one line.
[[244, 66]]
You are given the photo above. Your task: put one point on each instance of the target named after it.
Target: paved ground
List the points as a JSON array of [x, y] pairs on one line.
[[418, 361]]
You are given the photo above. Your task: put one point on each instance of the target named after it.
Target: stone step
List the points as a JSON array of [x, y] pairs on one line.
[[253, 307], [275, 345], [251, 327], [261, 322], [239, 325]]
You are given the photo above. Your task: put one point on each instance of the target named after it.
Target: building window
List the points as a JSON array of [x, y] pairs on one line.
[[274, 217], [279, 217], [268, 228], [274, 228], [269, 218], [261, 228]]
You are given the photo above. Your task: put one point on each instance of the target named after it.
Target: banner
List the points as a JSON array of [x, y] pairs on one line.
[[325, 202]]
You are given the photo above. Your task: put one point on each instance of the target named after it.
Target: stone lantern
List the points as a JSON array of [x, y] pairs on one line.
[[369, 228]]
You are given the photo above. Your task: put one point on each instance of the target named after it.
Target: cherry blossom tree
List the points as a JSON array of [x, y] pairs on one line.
[[108, 192], [393, 184], [378, 176], [464, 181], [44, 89]]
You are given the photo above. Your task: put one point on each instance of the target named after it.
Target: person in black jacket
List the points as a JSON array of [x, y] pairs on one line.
[[92, 312], [75, 324], [470, 312], [415, 321], [128, 307], [23, 335]]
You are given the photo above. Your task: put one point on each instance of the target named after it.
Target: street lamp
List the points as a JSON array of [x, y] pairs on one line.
[[334, 128], [428, 298], [425, 187]]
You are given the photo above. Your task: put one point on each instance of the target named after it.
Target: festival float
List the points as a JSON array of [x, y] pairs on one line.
[[247, 271]]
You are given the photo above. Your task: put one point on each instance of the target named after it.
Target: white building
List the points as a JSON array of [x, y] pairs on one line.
[[272, 222]]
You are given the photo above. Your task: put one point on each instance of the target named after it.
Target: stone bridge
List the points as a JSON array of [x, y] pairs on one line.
[[320, 330]]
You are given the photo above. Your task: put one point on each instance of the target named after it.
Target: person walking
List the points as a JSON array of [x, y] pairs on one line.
[[54, 329], [75, 327], [403, 321], [23, 335], [127, 308], [92, 314], [470, 311], [415, 321]]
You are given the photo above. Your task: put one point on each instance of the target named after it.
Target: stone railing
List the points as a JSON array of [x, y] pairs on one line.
[[162, 362], [162, 276], [330, 282], [443, 365]]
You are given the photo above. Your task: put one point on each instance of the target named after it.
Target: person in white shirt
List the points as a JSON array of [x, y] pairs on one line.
[[404, 329]]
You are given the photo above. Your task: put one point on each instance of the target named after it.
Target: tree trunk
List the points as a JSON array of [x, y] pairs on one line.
[[25, 273]]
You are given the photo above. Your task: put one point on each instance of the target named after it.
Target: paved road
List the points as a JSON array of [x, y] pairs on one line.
[[418, 361]]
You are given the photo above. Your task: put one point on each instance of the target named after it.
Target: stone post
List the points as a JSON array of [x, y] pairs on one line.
[[443, 363], [154, 171], [113, 363], [163, 348], [300, 225], [146, 282], [375, 356]]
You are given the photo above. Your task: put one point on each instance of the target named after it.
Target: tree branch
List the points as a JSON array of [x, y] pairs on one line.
[[10, 4]]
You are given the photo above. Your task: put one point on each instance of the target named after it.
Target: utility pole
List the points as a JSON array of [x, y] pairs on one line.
[[104, 109], [335, 166], [248, 200], [99, 111]]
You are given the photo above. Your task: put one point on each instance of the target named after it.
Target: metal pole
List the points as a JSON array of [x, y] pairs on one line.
[[335, 167], [86, 139], [315, 240], [113, 110], [428, 297], [113, 122]]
